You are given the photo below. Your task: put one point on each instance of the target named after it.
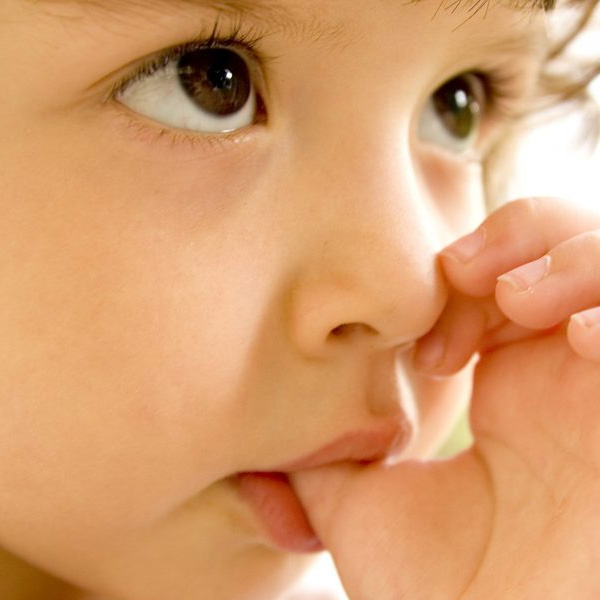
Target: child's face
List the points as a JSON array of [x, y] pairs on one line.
[[210, 270]]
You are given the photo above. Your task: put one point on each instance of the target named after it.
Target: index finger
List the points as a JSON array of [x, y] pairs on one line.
[[517, 233]]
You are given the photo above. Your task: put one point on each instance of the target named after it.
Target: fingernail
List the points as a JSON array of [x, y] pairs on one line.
[[588, 318], [467, 248], [430, 351], [525, 277]]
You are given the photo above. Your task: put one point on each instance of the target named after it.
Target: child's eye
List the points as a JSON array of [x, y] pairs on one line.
[[203, 89], [452, 115]]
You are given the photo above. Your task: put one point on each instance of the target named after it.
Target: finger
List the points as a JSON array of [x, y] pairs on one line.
[[517, 233], [507, 333], [583, 333], [398, 520], [545, 292], [449, 345], [467, 325]]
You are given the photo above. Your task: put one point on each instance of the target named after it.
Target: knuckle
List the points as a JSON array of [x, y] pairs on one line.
[[516, 213], [592, 252], [579, 257], [594, 238], [534, 208], [518, 223], [585, 246], [527, 209]]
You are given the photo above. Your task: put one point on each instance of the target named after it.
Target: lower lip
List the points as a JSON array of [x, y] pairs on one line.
[[273, 499]]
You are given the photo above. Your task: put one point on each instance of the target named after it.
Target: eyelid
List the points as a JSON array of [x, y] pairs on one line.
[[180, 143]]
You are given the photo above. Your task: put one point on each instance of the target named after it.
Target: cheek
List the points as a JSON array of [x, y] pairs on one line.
[[456, 187], [122, 350], [128, 312]]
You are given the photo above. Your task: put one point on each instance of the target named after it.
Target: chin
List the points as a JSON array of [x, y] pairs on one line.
[[266, 576]]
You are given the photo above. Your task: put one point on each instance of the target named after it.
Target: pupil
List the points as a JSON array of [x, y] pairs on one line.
[[221, 77], [216, 79], [457, 107]]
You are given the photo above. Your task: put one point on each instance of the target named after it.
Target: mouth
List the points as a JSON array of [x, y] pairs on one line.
[[273, 499], [275, 502]]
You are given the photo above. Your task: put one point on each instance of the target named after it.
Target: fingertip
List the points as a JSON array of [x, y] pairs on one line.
[[438, 357], [583, 333], [528, 305], [467, 248], [430, 351], [474, 278], [525, 277], [469, 266]]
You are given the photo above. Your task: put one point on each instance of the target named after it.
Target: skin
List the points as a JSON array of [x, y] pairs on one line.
[[178, 308]]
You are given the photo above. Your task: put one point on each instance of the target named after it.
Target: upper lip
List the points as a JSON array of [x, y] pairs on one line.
[[365, 445]]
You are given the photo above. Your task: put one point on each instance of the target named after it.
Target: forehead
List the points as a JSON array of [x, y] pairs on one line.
[[249, 5], [315, 17], [273, 7]]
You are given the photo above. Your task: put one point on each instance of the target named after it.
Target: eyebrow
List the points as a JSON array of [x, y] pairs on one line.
[[291, 18], [261, 8], [238, 5]]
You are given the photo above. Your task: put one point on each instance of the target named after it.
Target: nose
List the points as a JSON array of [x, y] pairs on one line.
[[366, 273]]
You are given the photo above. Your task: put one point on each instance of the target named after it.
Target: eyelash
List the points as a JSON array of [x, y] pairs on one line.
[[245, 41], [503, 96]]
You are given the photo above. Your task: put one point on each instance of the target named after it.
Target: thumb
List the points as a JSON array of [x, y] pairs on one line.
[[413, 530]]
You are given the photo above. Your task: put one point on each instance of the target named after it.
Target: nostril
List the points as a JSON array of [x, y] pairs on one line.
[[351, 330]]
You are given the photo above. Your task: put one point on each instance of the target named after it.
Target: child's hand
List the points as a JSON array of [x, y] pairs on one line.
[[516, 515], [543, 240]]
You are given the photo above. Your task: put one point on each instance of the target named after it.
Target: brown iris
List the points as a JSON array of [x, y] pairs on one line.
[[457, 106], [216, 79]]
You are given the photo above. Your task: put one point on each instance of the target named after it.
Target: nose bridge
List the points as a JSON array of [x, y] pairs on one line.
[[368, 267]]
